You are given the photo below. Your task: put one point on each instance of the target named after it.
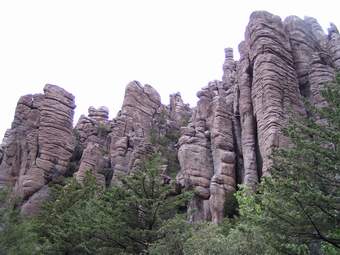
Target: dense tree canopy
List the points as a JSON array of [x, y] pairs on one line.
[[85, 219]]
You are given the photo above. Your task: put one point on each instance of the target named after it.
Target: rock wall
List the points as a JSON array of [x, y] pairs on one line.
[[224, 141]]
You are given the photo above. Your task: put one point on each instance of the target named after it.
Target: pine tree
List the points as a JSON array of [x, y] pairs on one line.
[[64, 225], [124, 219], [140, 207]]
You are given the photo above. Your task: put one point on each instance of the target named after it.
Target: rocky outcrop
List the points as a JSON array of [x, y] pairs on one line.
[[226, 140], [92, 146], [95, 160], [312, 58], [133, 127], [112, 148], [39, 145], [274, 83], [334, 45], [180, 113], [94, 127], [249, 174], [206, 153], [238, 120], [196, 164]]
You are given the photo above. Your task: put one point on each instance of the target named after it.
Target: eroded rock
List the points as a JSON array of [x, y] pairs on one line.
[[134, 127], [39, 144], [227, 139]]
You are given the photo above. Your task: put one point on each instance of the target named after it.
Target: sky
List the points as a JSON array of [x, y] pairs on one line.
[[94, 48]]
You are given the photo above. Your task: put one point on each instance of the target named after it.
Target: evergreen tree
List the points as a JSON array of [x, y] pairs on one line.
[[144, 205], [64, 225], [125, 219], [16, 233]]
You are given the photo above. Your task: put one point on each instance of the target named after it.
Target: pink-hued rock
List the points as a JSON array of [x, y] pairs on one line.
[[133, 127], [242, 116], [39, 145], [249, 175], [274, 85], [226, 140], [206, 153], [94, 160], [180, 113]]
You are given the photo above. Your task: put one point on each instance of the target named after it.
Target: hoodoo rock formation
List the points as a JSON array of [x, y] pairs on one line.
[[224, 141], [38, 147]]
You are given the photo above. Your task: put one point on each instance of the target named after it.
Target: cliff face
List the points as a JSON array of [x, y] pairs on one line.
[[224, 141], [38, 147]]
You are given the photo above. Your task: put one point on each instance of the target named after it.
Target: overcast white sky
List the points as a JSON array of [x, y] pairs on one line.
[[94, 48]]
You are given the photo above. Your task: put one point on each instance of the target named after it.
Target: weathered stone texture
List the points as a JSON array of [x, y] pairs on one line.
[[242, 116], [274, 84], [94, 160], [225, 140], [94, 127], [334, 43], [206, 153], [249, 175], [39, 145], [180, 113], [311, 56], [133, 127]]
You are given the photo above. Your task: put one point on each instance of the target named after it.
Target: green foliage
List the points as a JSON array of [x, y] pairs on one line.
[[16, 234], [146, 205], [84, 219], [182, 237], [207, 239], [165, 145], [103, 129], [174, 233], [230, 206], [65, 222]]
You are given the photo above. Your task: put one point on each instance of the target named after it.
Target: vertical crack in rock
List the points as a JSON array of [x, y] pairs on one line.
[[223, 182], [248, 133], [274, 87], [206, 149]]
